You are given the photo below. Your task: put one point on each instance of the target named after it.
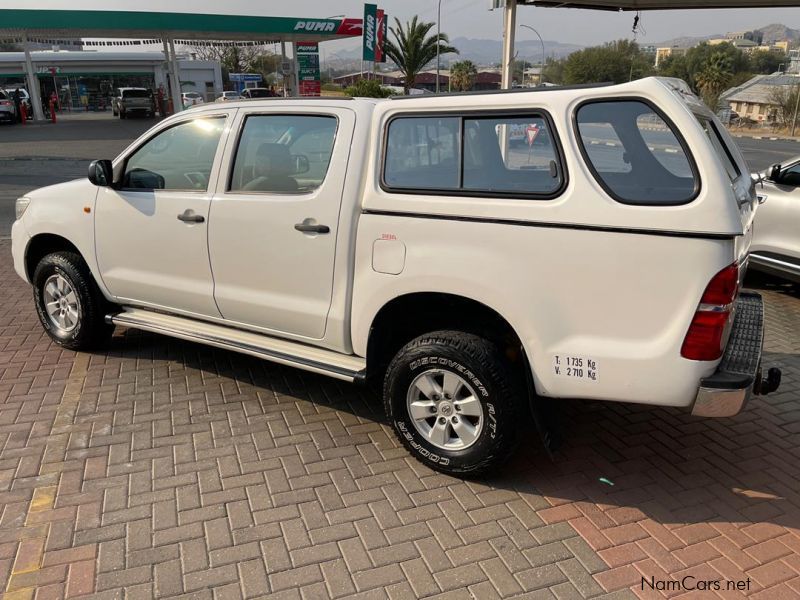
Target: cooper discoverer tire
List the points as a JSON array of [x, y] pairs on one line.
[[70, 306], [454, 403]]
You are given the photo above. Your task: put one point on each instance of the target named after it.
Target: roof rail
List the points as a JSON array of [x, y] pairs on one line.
[[578, 86]]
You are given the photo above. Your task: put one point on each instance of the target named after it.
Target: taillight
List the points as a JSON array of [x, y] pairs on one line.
[[703, 341], [5, 103]]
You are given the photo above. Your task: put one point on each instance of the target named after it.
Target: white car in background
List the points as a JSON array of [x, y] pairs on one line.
[[190, 99], [26, 99], [776, 233], [228, 96]]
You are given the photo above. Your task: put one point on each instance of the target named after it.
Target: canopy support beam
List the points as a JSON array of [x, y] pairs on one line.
[[33, 83], [177, 99], [509, 27]]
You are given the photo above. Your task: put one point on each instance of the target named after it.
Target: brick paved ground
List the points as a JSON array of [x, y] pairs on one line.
[[166, 469]]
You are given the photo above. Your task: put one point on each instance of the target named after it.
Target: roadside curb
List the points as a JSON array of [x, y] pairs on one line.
[[771, 138], [44, 158]]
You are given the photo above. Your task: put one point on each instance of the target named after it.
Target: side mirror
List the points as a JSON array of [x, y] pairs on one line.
[[774, 172], [301, 164], [101, 173]]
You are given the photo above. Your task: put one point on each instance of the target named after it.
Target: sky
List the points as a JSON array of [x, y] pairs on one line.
[[472, 18]]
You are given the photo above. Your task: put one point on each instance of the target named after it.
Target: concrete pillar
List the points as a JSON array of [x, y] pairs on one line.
[[33, 83], [295, 71], [176, 88], [509, 26], [286, 91]]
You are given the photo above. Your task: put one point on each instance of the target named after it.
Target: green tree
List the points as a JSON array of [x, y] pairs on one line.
[[675, 66], [412, 49], [462, 75], [553, 71], [614, 62], [367, 88], [765, 62]]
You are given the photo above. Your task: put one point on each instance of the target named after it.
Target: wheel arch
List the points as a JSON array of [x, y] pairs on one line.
[[405, 317], [42, 244]]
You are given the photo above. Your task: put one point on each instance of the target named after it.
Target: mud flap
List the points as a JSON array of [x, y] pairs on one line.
[[545, 414]]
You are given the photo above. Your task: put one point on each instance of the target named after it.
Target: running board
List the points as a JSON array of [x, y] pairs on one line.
[[317, 360]]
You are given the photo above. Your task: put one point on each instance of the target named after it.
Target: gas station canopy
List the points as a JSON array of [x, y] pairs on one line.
[[21, 25], [193, 26]]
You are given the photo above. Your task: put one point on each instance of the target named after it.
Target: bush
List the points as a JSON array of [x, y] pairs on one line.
[[367, 88]]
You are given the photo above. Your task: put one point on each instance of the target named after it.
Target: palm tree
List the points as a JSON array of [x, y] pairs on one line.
[[463, 74], [714, 78], [413, 49]]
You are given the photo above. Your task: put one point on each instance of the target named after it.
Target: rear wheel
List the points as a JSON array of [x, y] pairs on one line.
[[69, 303], [454, 403]]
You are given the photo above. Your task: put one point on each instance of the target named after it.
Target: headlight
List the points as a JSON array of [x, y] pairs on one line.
[[22, 205]]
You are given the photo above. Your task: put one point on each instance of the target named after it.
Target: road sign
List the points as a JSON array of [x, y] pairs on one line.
[[531, 132]]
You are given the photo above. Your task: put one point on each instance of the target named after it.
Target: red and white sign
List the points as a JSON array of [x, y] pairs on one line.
[[379, 35], [531, 132]]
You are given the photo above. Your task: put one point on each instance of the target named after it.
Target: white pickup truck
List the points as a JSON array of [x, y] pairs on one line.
[[408, 242]]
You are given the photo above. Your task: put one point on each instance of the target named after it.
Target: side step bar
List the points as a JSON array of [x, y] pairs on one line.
[[317, 360]]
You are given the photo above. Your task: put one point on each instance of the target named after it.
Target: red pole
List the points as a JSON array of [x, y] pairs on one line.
[[24, 110]]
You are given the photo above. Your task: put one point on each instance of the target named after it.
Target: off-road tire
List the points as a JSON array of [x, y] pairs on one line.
[[481, 364], [91, 330]]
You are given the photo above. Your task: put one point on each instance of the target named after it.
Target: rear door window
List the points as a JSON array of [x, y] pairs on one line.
[[635, 154]]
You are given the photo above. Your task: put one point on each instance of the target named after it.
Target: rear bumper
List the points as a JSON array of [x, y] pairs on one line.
[[726, 392]]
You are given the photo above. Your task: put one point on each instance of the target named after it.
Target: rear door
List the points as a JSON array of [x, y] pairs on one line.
[[275, 216]]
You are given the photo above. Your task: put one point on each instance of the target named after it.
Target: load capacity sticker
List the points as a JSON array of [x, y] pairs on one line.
[[575, 367]]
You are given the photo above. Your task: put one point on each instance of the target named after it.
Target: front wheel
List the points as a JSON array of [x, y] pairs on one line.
[[69, 303], [454, 403]]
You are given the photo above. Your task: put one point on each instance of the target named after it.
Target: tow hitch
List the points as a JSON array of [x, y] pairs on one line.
[[769, 384]]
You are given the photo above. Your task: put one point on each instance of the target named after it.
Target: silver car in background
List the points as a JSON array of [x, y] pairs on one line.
[[776, 232]]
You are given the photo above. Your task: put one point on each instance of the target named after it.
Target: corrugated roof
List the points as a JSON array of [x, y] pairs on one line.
[[760, 89]]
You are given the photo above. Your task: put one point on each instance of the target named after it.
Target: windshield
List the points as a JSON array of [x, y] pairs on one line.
[[136, 94], [192, 95], [259, 93]]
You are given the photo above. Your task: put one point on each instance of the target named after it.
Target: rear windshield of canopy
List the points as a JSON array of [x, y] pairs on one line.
[[635, 154]]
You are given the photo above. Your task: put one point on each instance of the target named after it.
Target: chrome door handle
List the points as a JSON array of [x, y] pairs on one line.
[[188, 216], [309, 228]]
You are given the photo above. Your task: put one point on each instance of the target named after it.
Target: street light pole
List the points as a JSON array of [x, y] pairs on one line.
[[438, 34], [541, 71]]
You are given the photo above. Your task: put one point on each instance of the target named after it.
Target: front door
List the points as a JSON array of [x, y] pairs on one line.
[[151, 230], [274, 220]]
